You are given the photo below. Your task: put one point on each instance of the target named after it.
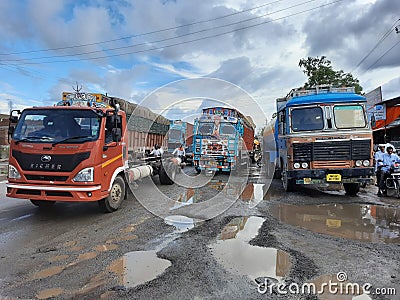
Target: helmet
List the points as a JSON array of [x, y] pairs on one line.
[[381, 145]]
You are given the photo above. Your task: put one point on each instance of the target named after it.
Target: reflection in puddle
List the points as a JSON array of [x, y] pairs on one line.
[[49, 293], [369, 223], [322, 288], [138, 267], [233, 252], [181, 223], [252, 193]]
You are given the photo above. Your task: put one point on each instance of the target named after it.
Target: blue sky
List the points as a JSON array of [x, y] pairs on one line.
[[130, 48]]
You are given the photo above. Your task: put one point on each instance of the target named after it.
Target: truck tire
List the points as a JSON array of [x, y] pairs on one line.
[[289, 185], [43, 203], [351, 188], [163, 176], [117, 193]]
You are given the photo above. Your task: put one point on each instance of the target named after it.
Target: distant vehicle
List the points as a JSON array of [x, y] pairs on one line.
[[320, 135], [181, 133], [223, 138], [78, 150]]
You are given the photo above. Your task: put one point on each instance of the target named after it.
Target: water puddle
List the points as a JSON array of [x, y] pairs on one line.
[[367, 223], [21, 217], [138, 267], [50, 293], [181, 223], [233, 252], [251, 193]]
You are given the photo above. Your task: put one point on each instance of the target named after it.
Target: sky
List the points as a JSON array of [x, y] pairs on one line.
[[154, 52]]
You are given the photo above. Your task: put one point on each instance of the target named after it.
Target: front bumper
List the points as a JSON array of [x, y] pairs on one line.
[[55, 193], [316, 176]]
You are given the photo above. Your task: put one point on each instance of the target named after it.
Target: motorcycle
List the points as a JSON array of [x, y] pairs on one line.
[[393, 181], [258, 158]]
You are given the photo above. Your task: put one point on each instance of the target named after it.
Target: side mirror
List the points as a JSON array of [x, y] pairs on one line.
[[116, 134]]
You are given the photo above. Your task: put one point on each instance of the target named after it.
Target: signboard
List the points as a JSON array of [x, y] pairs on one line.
[[380, 112], [374, 96]]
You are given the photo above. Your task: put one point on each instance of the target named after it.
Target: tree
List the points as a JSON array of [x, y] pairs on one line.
[[320, 71]]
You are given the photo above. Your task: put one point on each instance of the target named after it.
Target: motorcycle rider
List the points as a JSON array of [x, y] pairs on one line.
[[157, 151], [389, 159], [180, 152]]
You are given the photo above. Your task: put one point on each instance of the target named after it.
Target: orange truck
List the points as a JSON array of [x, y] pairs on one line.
[[78, 150]]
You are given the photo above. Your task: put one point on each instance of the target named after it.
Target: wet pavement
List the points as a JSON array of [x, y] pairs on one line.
[[259, 237]]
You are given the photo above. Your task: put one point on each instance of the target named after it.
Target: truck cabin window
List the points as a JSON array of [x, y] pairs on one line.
[[349, 116], [205, 128], [307, 119], [227, 129], [174, 134], [54, 126]]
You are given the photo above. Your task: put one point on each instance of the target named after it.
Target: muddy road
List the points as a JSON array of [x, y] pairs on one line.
[[224, 239]]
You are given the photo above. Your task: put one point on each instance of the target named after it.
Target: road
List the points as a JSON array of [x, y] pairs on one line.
[[228, 239]]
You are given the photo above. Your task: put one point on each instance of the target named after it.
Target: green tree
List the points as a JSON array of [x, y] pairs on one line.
[[320, 71]]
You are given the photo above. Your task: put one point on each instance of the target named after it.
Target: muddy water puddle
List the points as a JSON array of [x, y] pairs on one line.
[[233, 252], [367, 223], [138, 267]]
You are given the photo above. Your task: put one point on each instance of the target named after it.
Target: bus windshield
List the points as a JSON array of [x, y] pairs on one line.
[[349, 116], [306, 119], [57, 126]]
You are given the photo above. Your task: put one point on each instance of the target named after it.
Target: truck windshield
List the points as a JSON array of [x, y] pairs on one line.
[[349, 116], [57, 125], [227, 129], [306, 119], [205, 128], [175, 134]]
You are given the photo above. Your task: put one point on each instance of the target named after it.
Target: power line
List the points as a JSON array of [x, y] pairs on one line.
[[162, 40], [146, 33], [190, 41], [376, 45], [384, 54]]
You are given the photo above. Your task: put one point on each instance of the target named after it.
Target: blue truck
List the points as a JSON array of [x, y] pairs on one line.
[[319, 136], [223, 139]]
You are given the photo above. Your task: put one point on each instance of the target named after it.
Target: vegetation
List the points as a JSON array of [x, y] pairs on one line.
[[320, 71]]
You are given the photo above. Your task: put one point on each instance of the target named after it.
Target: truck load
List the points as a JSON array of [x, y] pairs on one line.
[[222, 140], [318, 136], [77, 151]]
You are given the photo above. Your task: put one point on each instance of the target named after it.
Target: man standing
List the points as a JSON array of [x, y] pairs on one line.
[[389, 159], [157, 151], [379, 162]]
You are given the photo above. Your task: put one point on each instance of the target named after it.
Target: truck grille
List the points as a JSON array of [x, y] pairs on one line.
[[329, 151]]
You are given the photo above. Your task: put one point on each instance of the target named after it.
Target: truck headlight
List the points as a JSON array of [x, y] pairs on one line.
[[366, 163], [13, 172], [304, 165], [359, 163], [84, 175], [296, 165]]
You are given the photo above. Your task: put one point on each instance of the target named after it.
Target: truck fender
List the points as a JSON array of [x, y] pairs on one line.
[[115, 174]]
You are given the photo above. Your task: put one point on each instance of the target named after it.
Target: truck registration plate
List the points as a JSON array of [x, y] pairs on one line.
[[334, 177]]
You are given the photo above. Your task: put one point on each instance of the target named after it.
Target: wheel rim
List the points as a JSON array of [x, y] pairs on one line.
[[116, 194]]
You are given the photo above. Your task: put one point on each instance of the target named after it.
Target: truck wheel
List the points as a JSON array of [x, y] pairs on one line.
[[117, 193], [164, 178], [288, 184], [43, 203], [351, 188]]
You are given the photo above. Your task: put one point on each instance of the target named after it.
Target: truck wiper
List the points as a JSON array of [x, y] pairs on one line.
[[30, 138], [71, 138]]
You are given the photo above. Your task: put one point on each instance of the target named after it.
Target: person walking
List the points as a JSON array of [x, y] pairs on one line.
[[389, 159]]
